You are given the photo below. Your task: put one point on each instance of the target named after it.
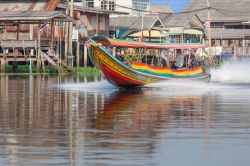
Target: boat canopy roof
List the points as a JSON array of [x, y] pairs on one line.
[[133, 44]]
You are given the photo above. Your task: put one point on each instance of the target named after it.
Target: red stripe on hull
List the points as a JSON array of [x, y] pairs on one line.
[[117, 79]]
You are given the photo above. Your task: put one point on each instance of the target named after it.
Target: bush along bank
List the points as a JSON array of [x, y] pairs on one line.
[[49, 70], [26, 69], [86, 70]]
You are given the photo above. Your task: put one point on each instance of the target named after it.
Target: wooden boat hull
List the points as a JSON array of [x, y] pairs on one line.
[[120, 74]]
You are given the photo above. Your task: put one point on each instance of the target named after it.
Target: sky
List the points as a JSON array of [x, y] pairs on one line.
[[176, 5]]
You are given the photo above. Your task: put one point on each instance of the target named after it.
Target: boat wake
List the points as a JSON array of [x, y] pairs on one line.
[[100, 86], [229, 75], [184, 86], [232, 72]]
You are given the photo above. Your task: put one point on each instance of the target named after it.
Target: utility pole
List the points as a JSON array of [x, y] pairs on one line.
[[142, 27], [66, 37], [209, 27], [70, 52]]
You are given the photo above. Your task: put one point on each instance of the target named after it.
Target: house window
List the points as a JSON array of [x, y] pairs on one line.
[[90, 3], [217, 25], [1, 29], [108, 5], [111, 5], [104, 5], [140, 5]]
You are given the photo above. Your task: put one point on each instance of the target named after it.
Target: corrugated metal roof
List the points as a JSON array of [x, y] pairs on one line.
[[134, 22], [176, 20], [28, 5], [160, 8], [233, 10], [33, 16]]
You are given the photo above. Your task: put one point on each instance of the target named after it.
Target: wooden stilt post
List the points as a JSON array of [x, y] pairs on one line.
[[60, 52], [43, 64], [52, 37], [41, 59], [2, 64], [70, 50], [66, 31], [5, 31], [235, 49], [150, 35], [31, 50], [77, 54], [97, 23], [243, 48], [85, 55], [18, 28], [16, 51], [39, 52], [30, 59], [209, 27]]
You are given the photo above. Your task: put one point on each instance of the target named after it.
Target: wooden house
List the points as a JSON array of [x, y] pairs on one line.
[[30, 31], [173, 28], [40, 32], [123, 26], [183, 27], [87, 23], [229, 23]]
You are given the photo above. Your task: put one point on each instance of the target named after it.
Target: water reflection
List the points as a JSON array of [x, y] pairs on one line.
[[46, 120], [36, 120]]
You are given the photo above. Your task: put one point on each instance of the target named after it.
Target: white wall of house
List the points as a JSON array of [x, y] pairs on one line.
[[126, 3], [118, 5], [85, 3]]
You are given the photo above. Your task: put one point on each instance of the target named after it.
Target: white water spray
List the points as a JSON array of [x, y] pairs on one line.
[[232, 72]]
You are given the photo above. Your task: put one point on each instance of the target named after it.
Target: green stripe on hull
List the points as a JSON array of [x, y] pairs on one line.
[[169, 75]]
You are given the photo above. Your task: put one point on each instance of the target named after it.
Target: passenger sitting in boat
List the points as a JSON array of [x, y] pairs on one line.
[[111, 50], [192, 61], [164, 56], [178, 61]]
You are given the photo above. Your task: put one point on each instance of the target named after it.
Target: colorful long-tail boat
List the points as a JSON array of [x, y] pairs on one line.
[[138, 74]]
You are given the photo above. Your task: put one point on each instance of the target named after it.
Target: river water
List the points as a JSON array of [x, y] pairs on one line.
[[77, 120]]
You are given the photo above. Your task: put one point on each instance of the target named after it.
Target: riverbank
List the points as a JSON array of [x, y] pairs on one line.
[[24, 69]]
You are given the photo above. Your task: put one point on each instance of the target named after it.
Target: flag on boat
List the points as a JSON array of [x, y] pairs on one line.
[[42, 27], [207, 24]]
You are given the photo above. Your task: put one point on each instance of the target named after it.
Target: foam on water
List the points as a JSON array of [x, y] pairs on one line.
[[232, 72], [184, 87], [178, 84], [100, 86]]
